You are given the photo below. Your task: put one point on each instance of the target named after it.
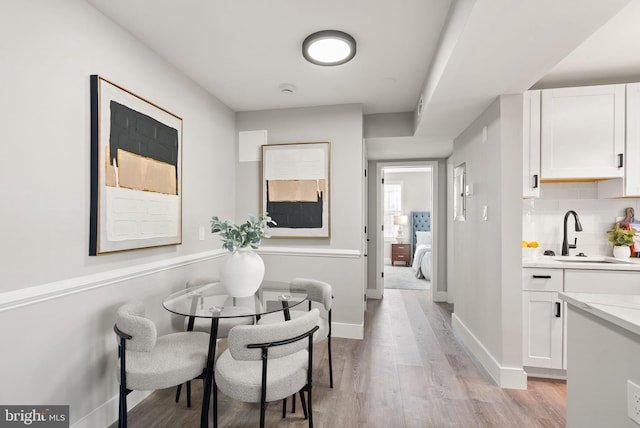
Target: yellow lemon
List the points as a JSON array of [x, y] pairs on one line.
[[533, 244], [524, 244]]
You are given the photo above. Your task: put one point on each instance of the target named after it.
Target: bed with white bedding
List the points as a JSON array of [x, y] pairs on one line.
[[421, 243], [422, 258]]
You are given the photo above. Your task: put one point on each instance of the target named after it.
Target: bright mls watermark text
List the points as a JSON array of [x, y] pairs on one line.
[[34, 416]]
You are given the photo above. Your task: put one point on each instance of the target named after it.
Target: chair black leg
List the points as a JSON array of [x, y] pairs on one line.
[[284, 407], [215, 405], [122, 409], [304, 404], [263, 410], [178, 389], [188, 393], [309, 407], [330, 363], [293, 403]]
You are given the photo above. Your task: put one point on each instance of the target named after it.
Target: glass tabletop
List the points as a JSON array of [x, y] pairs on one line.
[[213, 300]]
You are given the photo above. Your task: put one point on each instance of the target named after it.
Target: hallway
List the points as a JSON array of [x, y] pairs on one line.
[[409, 371]]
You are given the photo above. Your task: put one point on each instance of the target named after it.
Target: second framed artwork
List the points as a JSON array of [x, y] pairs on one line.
[[295, 189]]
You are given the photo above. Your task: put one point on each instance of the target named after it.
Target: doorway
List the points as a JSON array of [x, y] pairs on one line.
[[406, 196]]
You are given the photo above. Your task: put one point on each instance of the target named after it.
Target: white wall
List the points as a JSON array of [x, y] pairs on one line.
[[543, 218], [485, 255], [338, 260], [62, 350]]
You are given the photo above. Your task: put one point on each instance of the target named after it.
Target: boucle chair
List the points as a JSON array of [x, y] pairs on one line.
[[320, 292], [148, 362], [265, 363], [204, 324]]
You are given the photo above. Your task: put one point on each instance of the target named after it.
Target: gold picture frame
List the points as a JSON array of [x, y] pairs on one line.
[[136, 171]]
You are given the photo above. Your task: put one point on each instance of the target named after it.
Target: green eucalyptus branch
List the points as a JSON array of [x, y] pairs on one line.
[[248, 234]]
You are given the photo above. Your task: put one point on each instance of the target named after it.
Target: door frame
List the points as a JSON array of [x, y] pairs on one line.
[[378, 292]]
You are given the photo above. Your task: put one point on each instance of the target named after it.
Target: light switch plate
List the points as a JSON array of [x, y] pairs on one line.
[[633, 401], [201, 233], [485, 213]]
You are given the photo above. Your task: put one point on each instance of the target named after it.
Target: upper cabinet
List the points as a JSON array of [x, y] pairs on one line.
[[629, 185], [582, 133], [531, 147]]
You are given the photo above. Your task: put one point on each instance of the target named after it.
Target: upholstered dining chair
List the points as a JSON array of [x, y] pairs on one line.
[[319, 292], [148, 362], [204, 325], [265, 363]]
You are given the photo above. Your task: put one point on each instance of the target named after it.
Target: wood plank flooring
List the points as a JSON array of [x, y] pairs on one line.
[[409, 371]]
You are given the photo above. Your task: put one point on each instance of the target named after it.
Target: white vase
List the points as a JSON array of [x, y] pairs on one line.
[[621, 252], [242, 273]]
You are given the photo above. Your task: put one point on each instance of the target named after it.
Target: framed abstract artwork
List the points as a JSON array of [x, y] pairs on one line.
[[295, 189], [136, 171]]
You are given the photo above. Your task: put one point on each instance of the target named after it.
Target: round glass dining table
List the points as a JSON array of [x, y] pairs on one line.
[[214, 302]]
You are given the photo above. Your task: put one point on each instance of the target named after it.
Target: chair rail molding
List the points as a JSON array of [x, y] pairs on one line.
[[309, 252], [52, 290]]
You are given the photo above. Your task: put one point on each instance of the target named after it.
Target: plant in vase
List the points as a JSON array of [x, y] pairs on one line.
[[248, 234], [243, 271], [622, 240]]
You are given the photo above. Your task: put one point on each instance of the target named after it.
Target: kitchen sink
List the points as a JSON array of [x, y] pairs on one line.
[[587, 259]]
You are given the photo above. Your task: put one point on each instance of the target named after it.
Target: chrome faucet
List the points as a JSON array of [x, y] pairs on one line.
[[565, 244]]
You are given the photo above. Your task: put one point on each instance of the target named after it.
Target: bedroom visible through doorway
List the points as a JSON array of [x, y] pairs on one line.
[[407, 204]]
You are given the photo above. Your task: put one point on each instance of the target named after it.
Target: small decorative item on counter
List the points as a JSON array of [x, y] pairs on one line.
[[622, 239], [621, 236], [529, 249]]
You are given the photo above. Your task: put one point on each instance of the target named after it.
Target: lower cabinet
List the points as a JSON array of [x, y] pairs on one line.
[[543, 318], [544, 322], [543, 329]]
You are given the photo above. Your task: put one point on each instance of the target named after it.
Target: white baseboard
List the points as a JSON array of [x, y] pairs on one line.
[[505, 377], [107, 414], [439, 296], [546, 373], [347, 331], [373, 293]]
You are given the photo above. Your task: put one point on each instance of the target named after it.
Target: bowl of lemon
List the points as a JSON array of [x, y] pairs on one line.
[[530, 249]]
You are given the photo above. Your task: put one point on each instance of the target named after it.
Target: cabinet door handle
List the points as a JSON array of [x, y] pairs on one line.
[[558, 306], [535, 181], [620, 160], [542, 276]]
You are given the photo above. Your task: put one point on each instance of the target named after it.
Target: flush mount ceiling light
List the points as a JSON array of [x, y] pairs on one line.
[[329, 47]]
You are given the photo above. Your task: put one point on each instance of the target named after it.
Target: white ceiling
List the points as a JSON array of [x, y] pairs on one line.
[[458, 55]]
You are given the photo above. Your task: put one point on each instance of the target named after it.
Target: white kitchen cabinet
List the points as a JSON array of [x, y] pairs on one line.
[[601, 281], [543, 318], [629, 184], [531, 145], [583, 132], [544, 321], [543, 329]]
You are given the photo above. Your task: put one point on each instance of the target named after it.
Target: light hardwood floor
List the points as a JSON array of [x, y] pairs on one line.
[[409, 371]]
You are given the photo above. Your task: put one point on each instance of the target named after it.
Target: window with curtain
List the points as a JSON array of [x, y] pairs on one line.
[[392, 206]]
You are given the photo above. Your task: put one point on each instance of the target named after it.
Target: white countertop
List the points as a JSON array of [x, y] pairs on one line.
[[574, 262], [622, 310]]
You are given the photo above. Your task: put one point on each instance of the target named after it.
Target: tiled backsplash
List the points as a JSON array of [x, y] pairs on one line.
[[542, 219]]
